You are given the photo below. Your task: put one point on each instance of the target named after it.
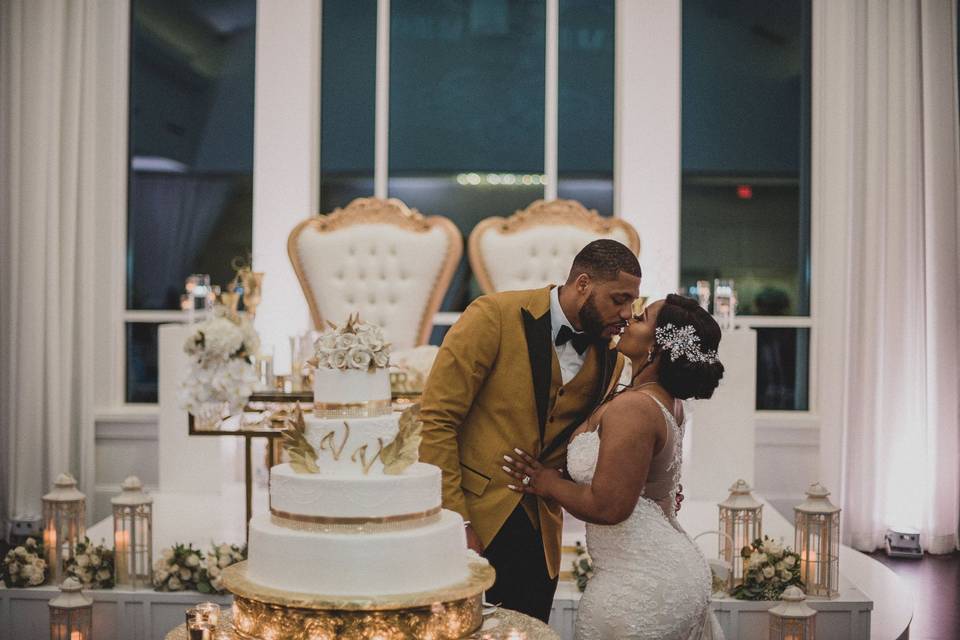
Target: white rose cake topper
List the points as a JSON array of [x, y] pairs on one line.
[[357, 345]]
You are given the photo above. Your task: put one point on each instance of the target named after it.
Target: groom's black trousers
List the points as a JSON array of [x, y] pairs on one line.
[[523, 583]]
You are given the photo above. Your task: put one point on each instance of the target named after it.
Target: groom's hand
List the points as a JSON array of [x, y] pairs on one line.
[[473, 540]]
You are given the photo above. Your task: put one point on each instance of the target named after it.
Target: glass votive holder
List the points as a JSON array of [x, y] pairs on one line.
[[209, 611], [201, 630]]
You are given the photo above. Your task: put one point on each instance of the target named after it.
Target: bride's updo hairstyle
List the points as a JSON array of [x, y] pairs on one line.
[[683, 378]]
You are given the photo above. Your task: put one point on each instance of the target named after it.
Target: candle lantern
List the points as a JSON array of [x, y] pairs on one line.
[[792, 619], [64, 517], [818, 543], [71, 613], [133, 535], [741, 523]]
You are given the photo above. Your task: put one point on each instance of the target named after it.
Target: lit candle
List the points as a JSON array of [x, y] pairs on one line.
[[76, 635], [50, 538]]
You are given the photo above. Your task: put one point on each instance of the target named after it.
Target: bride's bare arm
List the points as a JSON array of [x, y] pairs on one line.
[[632, 431]]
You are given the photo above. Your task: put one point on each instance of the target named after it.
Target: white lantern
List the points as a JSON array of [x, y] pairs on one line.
[[818, 543], [133, 535], [741, 518], [792, 619], [64, 523], [71, 613]]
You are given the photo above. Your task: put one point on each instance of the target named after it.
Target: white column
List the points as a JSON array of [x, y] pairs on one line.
[[381, 153], [286, 159], [647, 136]]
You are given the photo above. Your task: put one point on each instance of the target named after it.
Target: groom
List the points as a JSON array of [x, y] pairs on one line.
[[522, 369]]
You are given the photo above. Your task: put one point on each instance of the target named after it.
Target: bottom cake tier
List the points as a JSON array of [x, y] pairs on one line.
[[364, 562], [454, 612]]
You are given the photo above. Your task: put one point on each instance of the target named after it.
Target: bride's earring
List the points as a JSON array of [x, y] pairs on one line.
[[650, 356]]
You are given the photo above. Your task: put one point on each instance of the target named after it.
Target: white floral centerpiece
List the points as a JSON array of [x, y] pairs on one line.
[[91, 565], [356, 345], [221, 372], [219, 557], [24, 566], [770, 569], [178, 568]]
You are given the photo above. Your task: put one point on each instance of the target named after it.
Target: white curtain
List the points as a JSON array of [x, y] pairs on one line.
[[902, 397], [47, 171]]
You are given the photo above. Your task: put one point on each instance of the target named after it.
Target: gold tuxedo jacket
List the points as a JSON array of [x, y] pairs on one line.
[[494, 386]]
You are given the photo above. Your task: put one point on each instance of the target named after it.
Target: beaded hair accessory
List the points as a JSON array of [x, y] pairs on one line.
[[683, 341]]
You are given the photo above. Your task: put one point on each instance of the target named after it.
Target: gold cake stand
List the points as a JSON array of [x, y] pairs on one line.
[[261, 613]]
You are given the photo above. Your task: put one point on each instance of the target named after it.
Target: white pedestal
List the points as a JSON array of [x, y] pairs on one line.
[[719, 442], [187, 465]]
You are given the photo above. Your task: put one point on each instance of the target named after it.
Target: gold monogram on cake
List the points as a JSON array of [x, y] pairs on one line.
[[326, 443]]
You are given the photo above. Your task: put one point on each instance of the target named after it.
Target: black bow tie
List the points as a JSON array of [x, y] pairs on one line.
[[581, 341]]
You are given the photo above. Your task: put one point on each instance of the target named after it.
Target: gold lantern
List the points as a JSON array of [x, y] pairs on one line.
[[741, 523], [64, 523], [818, 543], [71, 613], [792, 619], [133, 535]]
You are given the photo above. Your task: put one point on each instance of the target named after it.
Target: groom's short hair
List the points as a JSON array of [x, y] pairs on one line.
[[603, 260]]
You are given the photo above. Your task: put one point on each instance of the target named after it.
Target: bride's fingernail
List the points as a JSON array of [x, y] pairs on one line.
[[518, 452], [510, 486], [508, 458], [506, 468]]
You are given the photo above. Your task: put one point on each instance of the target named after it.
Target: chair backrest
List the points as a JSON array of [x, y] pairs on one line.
[[379, 258], [536, 246]]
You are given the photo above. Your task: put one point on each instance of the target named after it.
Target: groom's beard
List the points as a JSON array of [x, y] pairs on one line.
[[590, 320]]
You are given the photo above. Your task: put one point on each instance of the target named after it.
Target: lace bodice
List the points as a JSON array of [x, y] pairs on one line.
[[650, 580]]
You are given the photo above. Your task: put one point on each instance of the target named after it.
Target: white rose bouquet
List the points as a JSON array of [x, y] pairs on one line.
[[582, 566], [91, 565], [356, 345], [24, 566], [769, 568], [219, 557], [221, 369], [178, 568]]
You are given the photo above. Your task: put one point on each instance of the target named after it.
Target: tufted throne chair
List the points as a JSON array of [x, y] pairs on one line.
[[379, 258], [535, 247]]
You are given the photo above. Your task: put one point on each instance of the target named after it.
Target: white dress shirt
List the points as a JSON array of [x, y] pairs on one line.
[[570, 360]]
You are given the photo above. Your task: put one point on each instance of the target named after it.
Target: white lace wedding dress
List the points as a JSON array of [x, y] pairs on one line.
[[650, 580]]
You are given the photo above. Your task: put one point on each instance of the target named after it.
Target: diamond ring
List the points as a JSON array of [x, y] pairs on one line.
[[526, 481]]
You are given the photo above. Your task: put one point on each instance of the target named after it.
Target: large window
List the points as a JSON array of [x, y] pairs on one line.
[[191, 162], [745, 175], [467, 108]]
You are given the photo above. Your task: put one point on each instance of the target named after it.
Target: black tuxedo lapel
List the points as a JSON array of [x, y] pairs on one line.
[[540, 351]]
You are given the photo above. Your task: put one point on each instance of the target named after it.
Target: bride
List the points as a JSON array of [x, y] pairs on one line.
[[649, 578]]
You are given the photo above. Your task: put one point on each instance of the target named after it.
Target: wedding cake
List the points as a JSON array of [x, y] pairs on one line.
[[354, 517]]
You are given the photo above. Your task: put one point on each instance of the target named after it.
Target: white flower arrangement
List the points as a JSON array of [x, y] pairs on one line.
[[356, 345], [24, 566], [221, 368], [218, 558], [91, 565], [770, 567], [582, 566], [178, 568]]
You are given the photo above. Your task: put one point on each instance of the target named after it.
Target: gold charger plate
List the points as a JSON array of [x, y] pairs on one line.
[[235, 579]]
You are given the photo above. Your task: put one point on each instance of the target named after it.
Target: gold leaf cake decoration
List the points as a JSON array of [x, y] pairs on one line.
[[405, 448], [303, 457]]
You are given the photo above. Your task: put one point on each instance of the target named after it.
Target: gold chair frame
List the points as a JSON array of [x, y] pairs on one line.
[[382, 211], [543, 213]]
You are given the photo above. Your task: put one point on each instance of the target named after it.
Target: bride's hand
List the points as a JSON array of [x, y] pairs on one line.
[[532, 477]]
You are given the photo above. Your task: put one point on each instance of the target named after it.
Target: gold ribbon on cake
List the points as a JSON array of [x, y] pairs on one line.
[[365, 409], [326, 524]]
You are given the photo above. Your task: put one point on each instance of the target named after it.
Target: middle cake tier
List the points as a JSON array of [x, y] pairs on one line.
[[348, 499], [351, 446]]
